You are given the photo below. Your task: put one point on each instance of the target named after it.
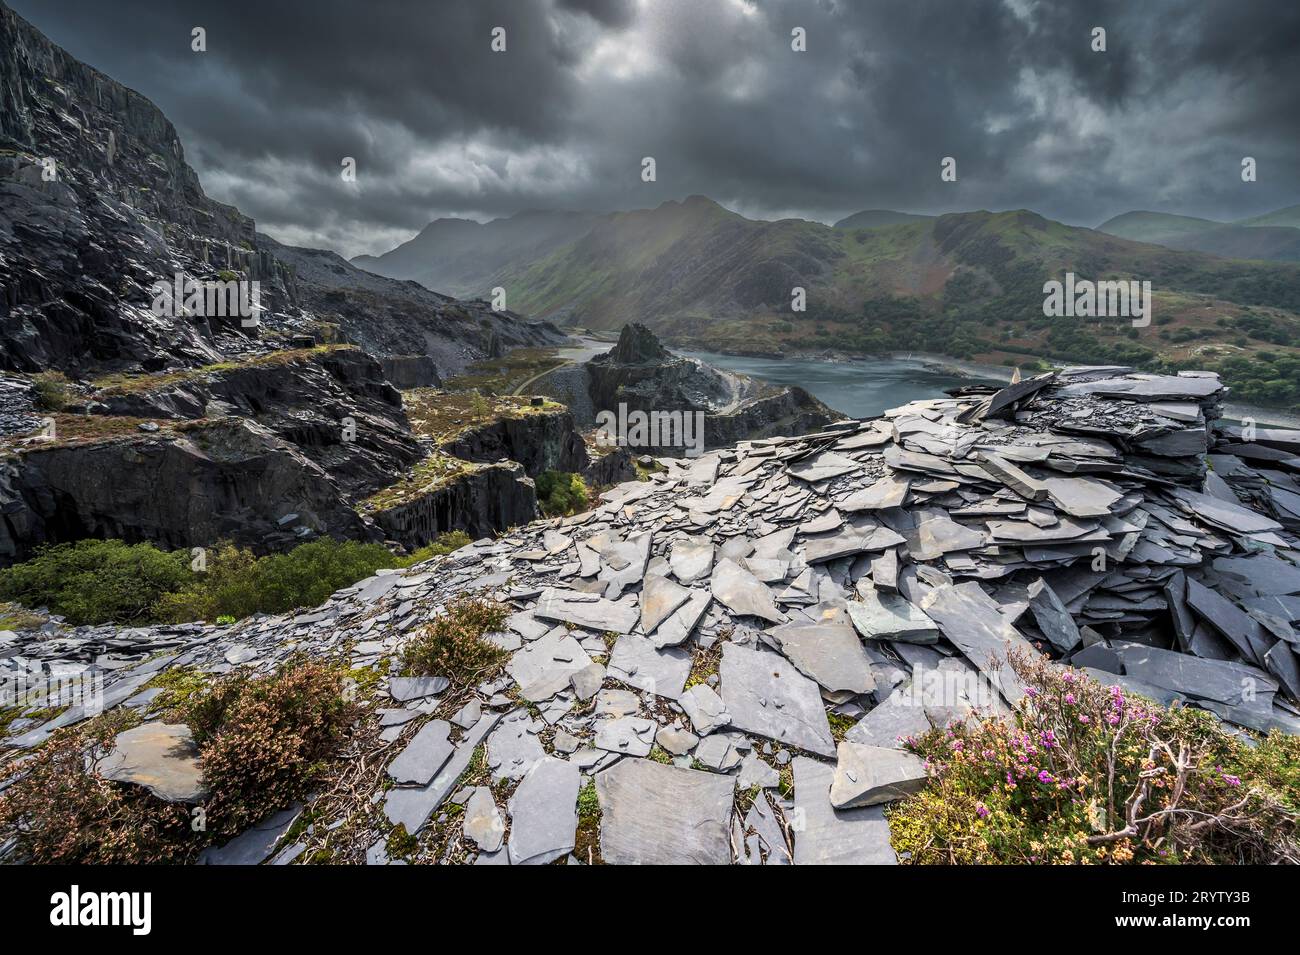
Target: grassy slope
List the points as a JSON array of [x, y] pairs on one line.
[[968, 283]]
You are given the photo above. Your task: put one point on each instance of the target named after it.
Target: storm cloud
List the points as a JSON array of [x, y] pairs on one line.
[[439, 124]]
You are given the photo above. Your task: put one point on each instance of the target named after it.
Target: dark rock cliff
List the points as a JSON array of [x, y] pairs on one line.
[[97, 203]]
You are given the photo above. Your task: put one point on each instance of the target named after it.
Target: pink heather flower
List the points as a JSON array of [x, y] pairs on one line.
[[981, 810], [1044, 777], [1069, 676], [1030, 692], [1069, 699], [1113, 719], [1083, 718], [1231, 780]]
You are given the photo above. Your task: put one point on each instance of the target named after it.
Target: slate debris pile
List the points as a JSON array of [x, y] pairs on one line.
[[688, 645]]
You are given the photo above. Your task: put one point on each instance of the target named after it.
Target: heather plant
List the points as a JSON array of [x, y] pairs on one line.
[[1085, 773], [61, 812], [453, 646], [263, 743]]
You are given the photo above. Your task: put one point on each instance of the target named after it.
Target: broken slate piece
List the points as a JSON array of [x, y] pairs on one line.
[[830, 836], [404, 688], [743, 593], [544, 813], [660, 597], [161, 757], [830, 653], [704, 708], [484, 824], [424, 755], [652, 814], [636, 662], [766, 695], [869, 775]]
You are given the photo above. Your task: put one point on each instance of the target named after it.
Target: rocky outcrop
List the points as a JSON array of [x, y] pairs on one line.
[[540, 441], [480, 501], [639, 375], [178, 487], [332, 403]]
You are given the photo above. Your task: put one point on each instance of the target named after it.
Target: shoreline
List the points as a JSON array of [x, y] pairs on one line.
[[1232, 411]]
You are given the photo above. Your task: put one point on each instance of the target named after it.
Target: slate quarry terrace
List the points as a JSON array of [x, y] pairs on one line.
[[720, 614]]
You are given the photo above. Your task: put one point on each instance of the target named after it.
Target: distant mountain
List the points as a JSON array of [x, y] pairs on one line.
[[873, 218], [1290, 216], [1271, 237], [965, 284], [458, 256]]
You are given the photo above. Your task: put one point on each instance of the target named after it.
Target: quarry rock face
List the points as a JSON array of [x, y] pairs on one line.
[[666, 642], [79, 253]]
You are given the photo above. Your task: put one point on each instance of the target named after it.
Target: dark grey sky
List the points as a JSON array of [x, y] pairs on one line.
[[440, 125]]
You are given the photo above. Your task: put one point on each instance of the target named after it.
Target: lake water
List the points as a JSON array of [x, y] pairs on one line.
[[860, 389]]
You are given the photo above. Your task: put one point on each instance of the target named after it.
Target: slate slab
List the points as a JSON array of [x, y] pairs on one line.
[[161, 757], [830, 653], [742, 593], [544, 813], [766, 695], [829, 836], [424, 755], [652, 814], [870, 775]]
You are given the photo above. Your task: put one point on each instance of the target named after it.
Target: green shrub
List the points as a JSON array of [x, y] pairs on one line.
[[560, 493], [453, 645], [52, 390], [94, 581], [1087, 774], [237, 584]]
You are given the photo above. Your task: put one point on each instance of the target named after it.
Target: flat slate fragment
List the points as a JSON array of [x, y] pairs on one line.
[[424, 755], [830, 836], [830, 653], [544, 813], [652, 814], [161, 757], [766, 695], [870, 775]]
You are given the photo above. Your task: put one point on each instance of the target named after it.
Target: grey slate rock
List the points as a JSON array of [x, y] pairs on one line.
[[830, 836], [544, 813], [766, 695], [424, 755], [653, 814]]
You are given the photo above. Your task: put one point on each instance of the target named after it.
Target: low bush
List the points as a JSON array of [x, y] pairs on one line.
[[1085, 773], [453, 645], [263, 743], [560, 493], [93, 581], [53, 392]]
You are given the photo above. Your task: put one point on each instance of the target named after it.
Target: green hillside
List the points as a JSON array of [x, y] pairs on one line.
[[965, 284], [1290, 216]]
